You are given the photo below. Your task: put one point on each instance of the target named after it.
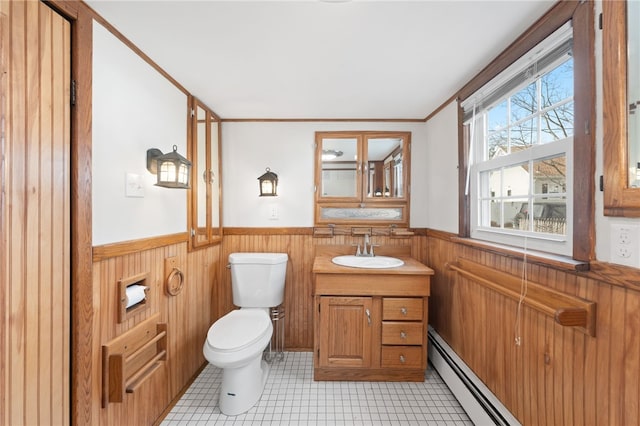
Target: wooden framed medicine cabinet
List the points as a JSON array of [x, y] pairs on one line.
[[362, 178], [204, 201], [621, 94]]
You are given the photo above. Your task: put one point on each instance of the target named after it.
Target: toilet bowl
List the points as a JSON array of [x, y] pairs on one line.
[[236, 341]]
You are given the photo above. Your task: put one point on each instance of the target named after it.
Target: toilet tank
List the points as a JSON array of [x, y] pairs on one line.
[[257, 279]]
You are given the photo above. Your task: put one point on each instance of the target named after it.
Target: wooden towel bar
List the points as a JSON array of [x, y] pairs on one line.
[[567, 310], [130, 359]]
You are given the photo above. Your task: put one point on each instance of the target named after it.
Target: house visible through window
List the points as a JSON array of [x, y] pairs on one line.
[[521, 127]]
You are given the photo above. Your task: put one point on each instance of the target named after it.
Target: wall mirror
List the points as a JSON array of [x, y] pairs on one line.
[[204, 196], [362, 177], [621, 92]]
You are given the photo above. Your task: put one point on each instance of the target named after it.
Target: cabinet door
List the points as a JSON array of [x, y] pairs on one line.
[[345, 331]]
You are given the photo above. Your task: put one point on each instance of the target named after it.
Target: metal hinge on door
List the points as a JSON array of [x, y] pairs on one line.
[[73, 92]]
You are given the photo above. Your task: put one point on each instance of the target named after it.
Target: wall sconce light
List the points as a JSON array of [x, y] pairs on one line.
[[268, 184], [172, 169]]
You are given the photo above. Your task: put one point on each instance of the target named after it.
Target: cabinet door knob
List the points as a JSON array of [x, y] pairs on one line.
[[368, 313], [402, 360], [403, 335], [403, 311]]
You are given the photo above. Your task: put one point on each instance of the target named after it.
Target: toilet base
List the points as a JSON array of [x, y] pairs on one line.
[[242, 387]]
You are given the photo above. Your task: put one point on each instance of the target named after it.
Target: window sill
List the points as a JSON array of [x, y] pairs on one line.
[[546, 259]]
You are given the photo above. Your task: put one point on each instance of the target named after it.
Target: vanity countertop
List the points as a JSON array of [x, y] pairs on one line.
[[323, 265]]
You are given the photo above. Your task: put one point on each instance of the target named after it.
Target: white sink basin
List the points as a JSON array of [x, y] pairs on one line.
[[376, 262]]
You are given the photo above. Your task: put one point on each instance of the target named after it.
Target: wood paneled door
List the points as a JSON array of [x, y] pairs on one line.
[[34, 215], [346, 335]]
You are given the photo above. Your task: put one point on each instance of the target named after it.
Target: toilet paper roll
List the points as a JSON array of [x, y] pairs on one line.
[[135, 294]]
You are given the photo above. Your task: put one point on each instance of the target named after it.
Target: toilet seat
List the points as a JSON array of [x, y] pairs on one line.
[[238, 329]]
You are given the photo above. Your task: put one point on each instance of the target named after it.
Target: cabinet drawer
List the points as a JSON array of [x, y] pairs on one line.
[[402, 333], [402, 356], [402, 308]]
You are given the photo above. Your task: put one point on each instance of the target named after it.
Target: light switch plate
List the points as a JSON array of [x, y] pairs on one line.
[[134, 187]]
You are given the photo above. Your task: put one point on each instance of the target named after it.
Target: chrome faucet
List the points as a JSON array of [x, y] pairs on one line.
[[367, 249]]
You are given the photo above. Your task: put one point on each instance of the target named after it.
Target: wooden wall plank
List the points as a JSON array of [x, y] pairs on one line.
[[45, 254], [16, 154], [564, 397], [603, 364], [4, 276], [631, 357], [616, 357]]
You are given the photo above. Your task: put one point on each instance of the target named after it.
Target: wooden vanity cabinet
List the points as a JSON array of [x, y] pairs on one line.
[[370, 324]]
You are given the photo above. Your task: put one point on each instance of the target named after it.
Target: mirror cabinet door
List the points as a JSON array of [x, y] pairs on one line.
[[621, 99], [199, 185], [205, 180], [385, 174], [214, 179], [338, 175], [633, 91]]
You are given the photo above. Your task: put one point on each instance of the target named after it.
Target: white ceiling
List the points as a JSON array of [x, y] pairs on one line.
[[322, 59]]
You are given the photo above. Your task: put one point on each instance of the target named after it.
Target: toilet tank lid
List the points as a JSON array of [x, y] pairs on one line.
[[258, 258]]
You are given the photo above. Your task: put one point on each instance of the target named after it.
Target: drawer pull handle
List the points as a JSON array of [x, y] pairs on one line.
[[366, 311], [403, 335], [402, 359], [403, 311]]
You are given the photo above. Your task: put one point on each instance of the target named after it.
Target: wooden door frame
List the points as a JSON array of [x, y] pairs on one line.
[[82, 315]]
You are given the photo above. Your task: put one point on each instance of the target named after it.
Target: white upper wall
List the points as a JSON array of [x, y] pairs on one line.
[[441, 184], [287, 148], [134, 109]]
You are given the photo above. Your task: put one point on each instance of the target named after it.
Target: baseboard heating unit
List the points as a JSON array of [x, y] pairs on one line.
[[482, 406]]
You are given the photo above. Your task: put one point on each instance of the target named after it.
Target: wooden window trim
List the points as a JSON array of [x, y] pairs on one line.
[[582, 15]]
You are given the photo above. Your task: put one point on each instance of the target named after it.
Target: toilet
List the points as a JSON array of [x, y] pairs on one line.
[[236, 341]]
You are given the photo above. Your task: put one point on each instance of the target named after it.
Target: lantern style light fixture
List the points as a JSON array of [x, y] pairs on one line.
[[172, 169], [268, 184]]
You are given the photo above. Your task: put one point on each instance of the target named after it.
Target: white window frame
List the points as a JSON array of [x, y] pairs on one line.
[[553, 243]]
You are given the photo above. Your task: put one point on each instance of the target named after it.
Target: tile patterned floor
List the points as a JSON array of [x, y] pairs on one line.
[[291, 397]]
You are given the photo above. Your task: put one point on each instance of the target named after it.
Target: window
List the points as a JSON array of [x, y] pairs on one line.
[[521, 127]]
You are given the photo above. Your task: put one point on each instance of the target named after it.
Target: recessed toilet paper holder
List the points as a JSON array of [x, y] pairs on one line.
[[125, 312]]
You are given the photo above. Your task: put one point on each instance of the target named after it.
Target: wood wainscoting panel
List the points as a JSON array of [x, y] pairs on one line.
[[300, 245], [544, 373], [188, 315]]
